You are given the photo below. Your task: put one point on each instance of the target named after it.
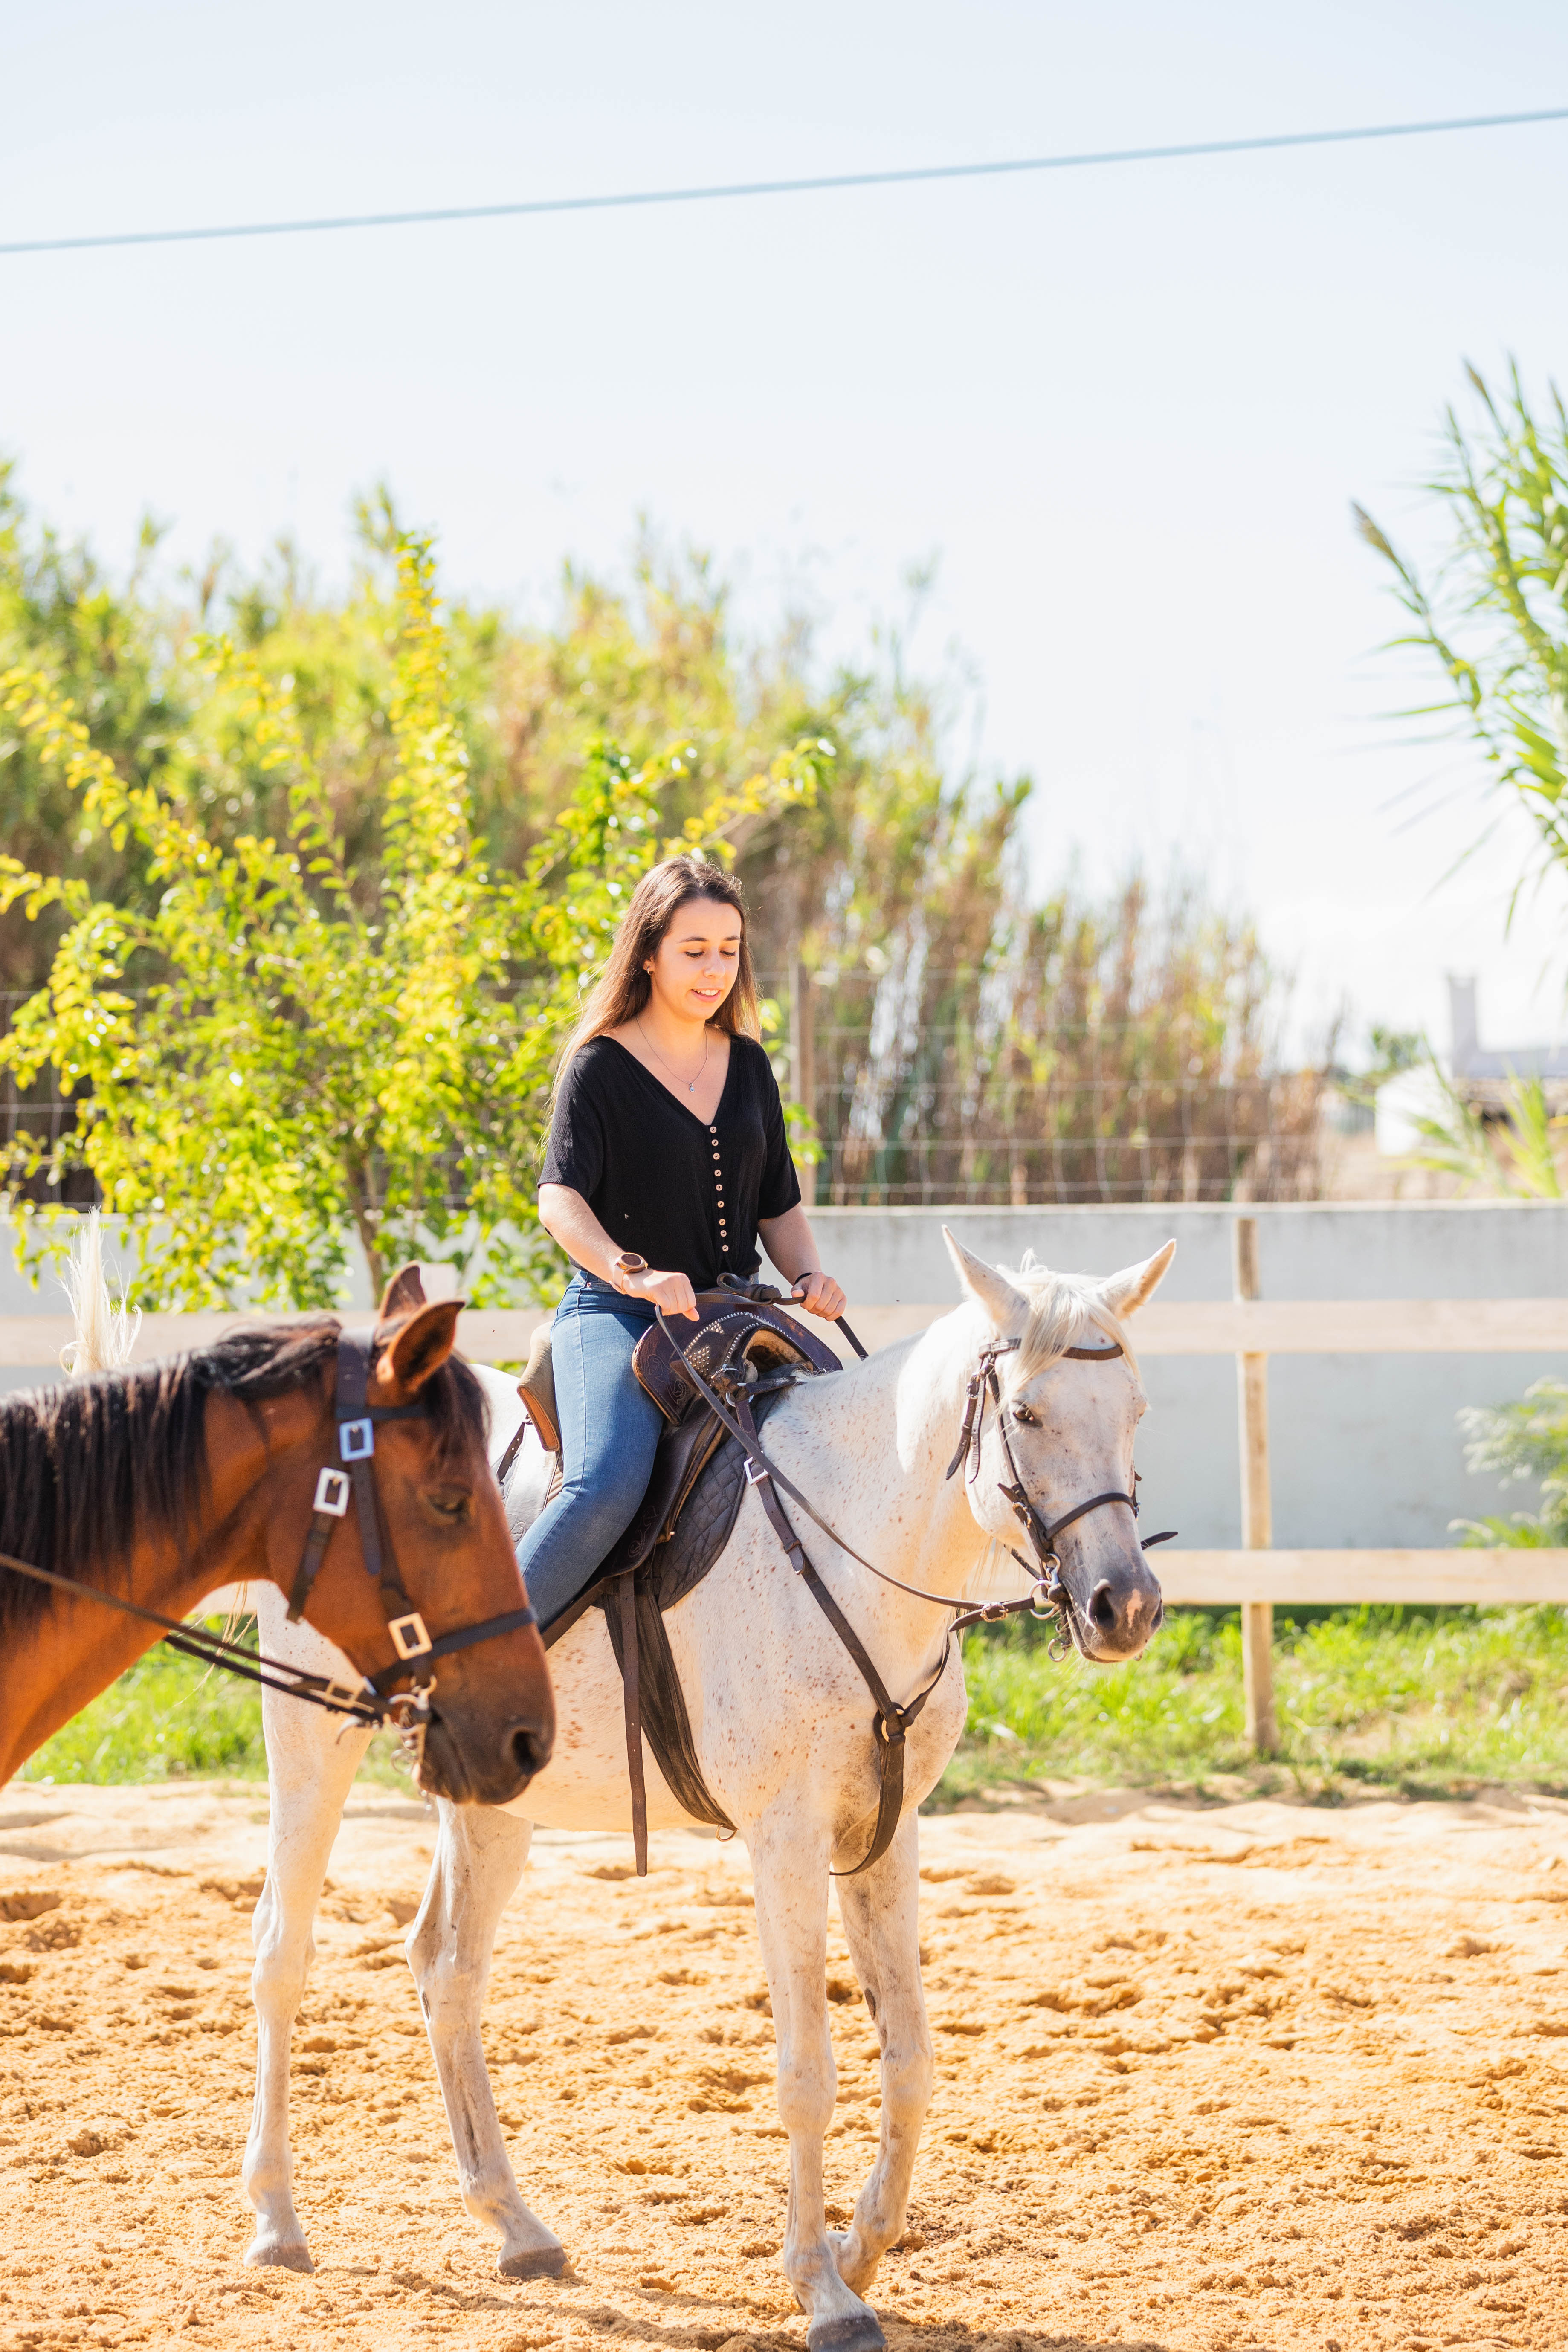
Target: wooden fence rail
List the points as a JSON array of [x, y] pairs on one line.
[[1204, 1326]]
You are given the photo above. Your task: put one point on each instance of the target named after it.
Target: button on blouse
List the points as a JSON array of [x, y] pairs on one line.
[[718, 1188]]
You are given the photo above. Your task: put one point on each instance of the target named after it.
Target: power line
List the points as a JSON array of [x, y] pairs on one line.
[[823, 181]]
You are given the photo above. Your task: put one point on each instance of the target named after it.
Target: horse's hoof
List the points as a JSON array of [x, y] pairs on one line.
[[861, 2335], [278, 2253], [533, 2261]]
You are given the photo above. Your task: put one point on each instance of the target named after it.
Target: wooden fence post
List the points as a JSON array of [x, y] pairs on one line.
[[803, 1062], [1257, 1509]]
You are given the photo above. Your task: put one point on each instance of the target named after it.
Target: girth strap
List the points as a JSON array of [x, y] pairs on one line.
[[631, 1694]]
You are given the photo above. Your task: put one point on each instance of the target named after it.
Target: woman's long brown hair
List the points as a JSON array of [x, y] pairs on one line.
[[623, 987]]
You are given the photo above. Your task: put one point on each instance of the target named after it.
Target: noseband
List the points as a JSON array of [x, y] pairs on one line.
[[356, 1421]]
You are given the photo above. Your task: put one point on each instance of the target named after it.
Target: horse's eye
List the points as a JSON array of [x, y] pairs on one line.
[[1022, 1414], [450, 1503]]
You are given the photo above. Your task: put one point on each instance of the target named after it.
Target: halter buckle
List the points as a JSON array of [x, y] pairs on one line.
[[333, 1492], [409, 1638], [356, 1440]]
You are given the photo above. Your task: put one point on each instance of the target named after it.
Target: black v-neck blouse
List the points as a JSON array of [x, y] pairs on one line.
[[684, 1195]]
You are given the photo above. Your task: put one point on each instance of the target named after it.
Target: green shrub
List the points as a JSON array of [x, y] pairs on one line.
[[1525, 1440]]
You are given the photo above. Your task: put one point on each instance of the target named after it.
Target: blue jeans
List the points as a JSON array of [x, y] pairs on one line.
[[609, 1432]]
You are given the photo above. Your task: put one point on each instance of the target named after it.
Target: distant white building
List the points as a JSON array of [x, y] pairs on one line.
[[1480, 1074]]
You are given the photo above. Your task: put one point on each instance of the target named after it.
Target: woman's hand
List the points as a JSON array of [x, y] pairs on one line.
[[670, 1292], [819, 1295]]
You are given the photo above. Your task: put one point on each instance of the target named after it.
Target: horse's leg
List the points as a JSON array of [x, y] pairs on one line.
[[881, 1916], [790, 1875], [310, 1765], [479, 1855]]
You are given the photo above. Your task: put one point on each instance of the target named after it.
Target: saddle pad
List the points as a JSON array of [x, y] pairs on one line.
[[670, 1570], [675, 1569]]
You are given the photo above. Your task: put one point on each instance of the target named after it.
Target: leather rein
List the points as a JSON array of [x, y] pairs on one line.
[[1047, 1597], [371, 1705]]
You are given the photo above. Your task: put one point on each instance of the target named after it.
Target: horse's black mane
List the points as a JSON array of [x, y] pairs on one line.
[[88, 1466]]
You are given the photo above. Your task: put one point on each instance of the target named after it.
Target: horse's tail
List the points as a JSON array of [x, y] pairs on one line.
[[106, 1326]]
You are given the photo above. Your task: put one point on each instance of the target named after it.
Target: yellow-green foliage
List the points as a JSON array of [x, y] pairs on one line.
[[278, 1049]]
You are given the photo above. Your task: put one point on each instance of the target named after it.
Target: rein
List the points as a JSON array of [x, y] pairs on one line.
[[215, 1650], [371, 1705], [1049, 1596]]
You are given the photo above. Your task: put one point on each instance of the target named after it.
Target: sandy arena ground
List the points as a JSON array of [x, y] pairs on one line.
[[1255, 2076]]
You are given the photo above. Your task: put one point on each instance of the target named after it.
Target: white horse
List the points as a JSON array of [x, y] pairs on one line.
[[782, 1722]]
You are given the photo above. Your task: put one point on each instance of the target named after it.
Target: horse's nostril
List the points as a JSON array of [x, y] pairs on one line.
[[528, 1749], [1102, 1608]]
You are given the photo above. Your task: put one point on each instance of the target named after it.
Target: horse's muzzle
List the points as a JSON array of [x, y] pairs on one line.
[[1125, 1610], [489, 1772]]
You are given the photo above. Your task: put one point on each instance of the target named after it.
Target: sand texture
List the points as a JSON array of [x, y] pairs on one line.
[[1249, 2077]]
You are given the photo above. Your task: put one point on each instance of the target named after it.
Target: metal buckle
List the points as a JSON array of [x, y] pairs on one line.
[[756, 1472], [345, 1696], [409, 1638], [1044, 1601], [333, 1492], [356, 1440]]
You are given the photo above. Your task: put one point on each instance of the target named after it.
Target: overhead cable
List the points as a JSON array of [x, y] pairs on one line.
[[820, 183]]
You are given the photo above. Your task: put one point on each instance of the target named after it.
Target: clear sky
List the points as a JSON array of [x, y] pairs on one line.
[[1127, 408]]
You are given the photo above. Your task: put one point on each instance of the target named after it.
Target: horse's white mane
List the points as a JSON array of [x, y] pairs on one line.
[[1066, 1311], [106, 1327]]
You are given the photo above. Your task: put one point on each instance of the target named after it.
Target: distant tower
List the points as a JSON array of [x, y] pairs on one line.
[[1464, 1040]]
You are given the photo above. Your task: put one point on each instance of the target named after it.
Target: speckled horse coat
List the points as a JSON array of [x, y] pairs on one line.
[[782, 1722]]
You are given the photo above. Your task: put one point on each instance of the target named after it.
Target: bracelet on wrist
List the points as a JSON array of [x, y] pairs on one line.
[[623, 1267]]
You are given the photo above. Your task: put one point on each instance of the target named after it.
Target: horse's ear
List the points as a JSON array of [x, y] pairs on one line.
[[1125, 1292], [423, 1344], [405, 1292], [1008, 1309]]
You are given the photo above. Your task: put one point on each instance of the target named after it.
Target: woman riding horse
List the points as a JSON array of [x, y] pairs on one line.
[[667, 1159]]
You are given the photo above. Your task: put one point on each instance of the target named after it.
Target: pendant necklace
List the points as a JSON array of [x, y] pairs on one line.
[[690, 1085]]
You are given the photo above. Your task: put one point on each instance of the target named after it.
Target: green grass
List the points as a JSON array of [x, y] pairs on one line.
[[170, 1719], [1417, 1701]]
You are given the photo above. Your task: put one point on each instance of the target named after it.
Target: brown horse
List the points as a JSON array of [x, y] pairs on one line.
[[163, 1483]]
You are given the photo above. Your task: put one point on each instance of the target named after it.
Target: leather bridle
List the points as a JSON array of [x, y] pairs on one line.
[[1049, 1587], [356, 1421]]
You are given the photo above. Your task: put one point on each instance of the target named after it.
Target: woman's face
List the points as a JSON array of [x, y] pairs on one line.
[[694, 967]]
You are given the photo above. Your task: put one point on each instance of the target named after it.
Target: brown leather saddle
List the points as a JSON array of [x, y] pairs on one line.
[[740, 1340]]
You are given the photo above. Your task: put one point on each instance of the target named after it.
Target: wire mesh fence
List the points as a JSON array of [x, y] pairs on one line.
[[975, 1106]]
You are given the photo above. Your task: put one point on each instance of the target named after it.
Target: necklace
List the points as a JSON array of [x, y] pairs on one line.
[[689, 1083]]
